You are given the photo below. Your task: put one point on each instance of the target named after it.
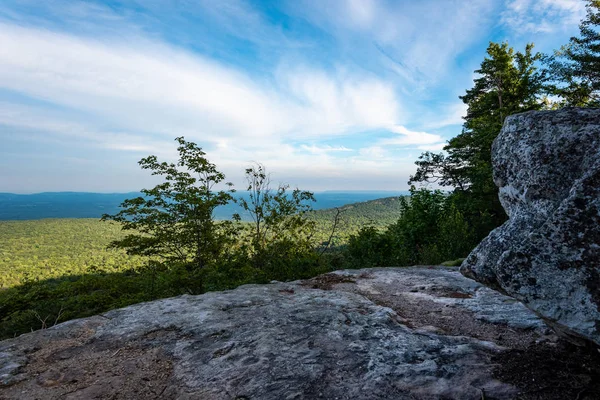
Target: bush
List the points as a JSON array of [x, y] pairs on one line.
[[431, 229]]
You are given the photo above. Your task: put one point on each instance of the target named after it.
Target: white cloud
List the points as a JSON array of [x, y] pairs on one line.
[[313, 149], [542, 16], [329, 104], [418, 41], [407, 137], [54, 128], [452, 114], [374, 152], [362, 12], [137, 95], [435, 147], [384, 150], [147, 85]]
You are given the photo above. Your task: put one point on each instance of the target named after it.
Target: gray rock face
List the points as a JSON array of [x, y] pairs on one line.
[[547, 255], [398, 333]]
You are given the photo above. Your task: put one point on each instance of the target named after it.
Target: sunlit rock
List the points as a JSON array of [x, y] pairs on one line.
[[397, 333]]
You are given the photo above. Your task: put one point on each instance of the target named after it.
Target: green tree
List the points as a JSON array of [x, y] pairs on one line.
[[174, 220], [417, 226], [280, 231], [430, 230], [508, 82], [371, 248], [575, 68]]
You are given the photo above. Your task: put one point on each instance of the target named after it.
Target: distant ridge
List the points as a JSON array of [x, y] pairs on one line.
[[379, 212], [92, 205], [389, 192]]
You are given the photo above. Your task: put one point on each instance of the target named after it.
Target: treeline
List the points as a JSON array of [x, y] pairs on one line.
[[53, 270], [434, 227], [38, 250], [165, 242], [430, 230]]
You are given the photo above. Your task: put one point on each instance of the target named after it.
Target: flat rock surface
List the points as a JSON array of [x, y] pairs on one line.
[[394, 333]]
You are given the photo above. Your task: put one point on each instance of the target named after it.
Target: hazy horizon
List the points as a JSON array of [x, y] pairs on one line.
[[237, 191], [33, 206]]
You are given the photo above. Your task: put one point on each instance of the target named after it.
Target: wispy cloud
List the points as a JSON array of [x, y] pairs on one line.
[[38, 124], [447, 115], [416, 40], [147, 88], [543, 16], [146, 85], [313, 149], [408, 137]]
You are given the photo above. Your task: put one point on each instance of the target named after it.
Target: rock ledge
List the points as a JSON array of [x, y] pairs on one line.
[[414, 333]]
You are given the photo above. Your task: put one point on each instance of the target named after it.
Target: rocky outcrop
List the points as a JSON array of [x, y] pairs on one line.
[[547, 255], [400, 333]]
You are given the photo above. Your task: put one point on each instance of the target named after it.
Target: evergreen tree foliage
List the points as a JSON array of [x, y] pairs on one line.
[[172, 227], [174, 220], [575, 68], [508, 82]]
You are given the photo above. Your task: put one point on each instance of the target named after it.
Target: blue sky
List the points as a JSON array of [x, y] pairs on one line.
[[327, 94]]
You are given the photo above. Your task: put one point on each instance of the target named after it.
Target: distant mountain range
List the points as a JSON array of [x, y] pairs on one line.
[[93, 205]]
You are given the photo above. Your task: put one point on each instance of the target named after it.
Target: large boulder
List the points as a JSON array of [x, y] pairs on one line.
[[547, 255]]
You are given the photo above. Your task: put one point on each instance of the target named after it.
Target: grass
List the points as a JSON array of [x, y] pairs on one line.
[[453, 263]]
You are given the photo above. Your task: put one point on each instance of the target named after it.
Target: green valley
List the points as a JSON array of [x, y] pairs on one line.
[[50, 248], [53, 270]]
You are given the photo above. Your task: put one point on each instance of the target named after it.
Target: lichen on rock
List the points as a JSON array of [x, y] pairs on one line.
[[547, 255]]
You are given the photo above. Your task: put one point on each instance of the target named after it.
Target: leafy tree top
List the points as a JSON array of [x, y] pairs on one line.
[[508, 82], [174, 219]]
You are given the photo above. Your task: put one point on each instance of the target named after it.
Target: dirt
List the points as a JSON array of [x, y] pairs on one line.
[[103, 371], [542, 367], [551, 372], [419, 312], [449, 321], [546, 368], [327, 281]]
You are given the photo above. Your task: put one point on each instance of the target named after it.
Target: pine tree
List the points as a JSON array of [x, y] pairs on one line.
[[508, 82], [575, 68]]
